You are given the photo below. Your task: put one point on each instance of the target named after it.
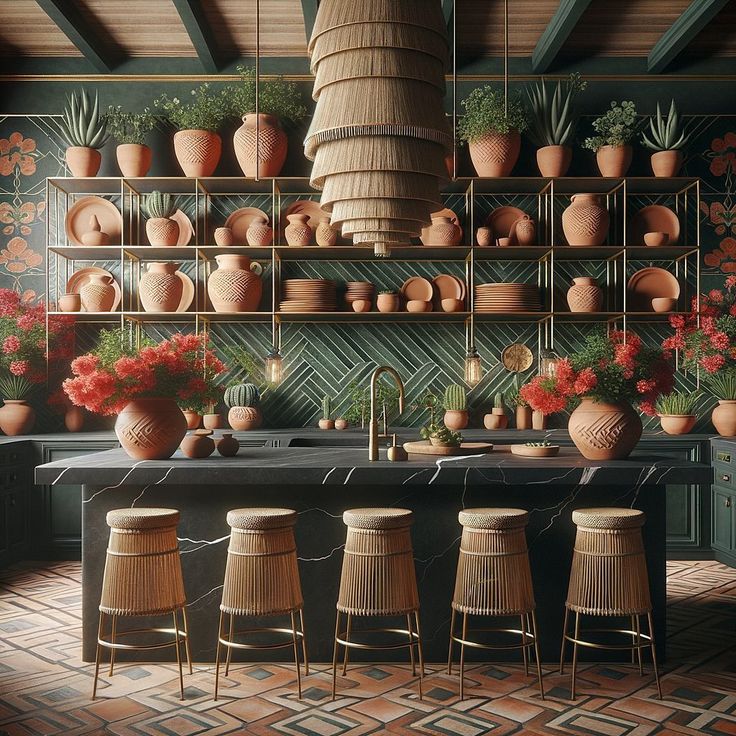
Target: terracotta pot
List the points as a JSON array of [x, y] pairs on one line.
[[341, 423], [197, 151], [523, 417], [484, 236], [213, 421], [455, 419], [554, 161], [325, 234], [162, 231], [224, 236], [452, 305], [134, 159], [233, 287], [656, 239], [361, 305], [539, 420], [198, 444], [666, 163], [418, 305], [83, 161], [298, 232], [387, 302], [443, 231], [193, 418], [16, 417], [160, 289], [244, 418], [272, 145], [724, 418], [70, 303], [495, 154], [585, 221], [677, 423], [603, 431], [98, 294], [259, 233], [614, 161], [497, 419], [150, 429], [74, 419], [326, 423], [227, 445], [503, 242], [525, 232], [584, 295]]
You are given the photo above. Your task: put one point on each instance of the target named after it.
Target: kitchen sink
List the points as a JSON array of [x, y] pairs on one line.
[[333, 440]]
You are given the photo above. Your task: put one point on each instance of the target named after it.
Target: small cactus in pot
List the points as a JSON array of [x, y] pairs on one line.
[[456, 407], [242, 400], [497, 419], [159, 208], [326, 422]]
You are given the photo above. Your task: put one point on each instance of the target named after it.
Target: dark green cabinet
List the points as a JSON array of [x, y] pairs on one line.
[[723, 497], [15, 468]]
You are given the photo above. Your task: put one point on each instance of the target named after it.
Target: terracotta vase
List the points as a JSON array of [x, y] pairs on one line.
[[160, 289], [162, 231], [194, 419], [666, 163], [74, 419], [387, 302], [298, 232], [523, 417], [495, 154], [585, 221], [234, 287], [361, 305], [224, 236], [150, 429], [326, 423], [603, 431], [497, 419], [272, 145], [198, 444], [443, 231], [614, 161], [259, 233], [83, 161], [16, 417], [554, 161], [341, 423], [213, 421], [539, 420], [325, 234], [525, 232], [244, 418], [98, 294], [455, 420], [134, 159], [677, 423], [197, 151], [724, 418], [584, 295], [484, 236], [227, 445], [70, 303]]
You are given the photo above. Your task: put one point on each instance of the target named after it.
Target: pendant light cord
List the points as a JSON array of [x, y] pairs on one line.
[[506, 58], [258, 88]]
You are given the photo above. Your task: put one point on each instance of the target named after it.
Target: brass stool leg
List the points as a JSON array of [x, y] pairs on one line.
[[462, 657], [523, 646], [296, 656], [98, 654], [451, 647], [536, 653], [654, 655], [186, 638], [411, 645], [178, 656], [421, 656], [638, 644], [230, 636], [217, 655], [112, 639], [564, 641], [304, 641], [575, 654], [334, 654], [347, 649]]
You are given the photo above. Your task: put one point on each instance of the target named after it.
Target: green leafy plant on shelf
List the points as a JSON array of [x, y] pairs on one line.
[[129, 127], [553, 115], [617, 127], [722, 384], [359, 406], [327, 407], [485, 113], [678, 403], [206, 109], [159, 205], [666, 133], [15, 388], [498, 401], [275, 97], [81, 122]]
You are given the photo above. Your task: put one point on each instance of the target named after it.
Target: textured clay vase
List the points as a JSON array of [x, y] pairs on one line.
[[272, 145], [134, 159], [162, 231], [233, 287], [150, 429], [259, 233], [227, 445], [455, 419], [298, 232], [244, 418], [160, 289], [677, 423], [554, 161], [443, 231], [584, 295], [98, 294], [523, 417], [213, 421], [74, 419], [325, 234], [193, 418], [387, 302], [16, 417], [70, 303], [495, 154], [614, 161], [585, 221], [224, 236], [539, 420], [83, 161], [724, 418], [603, 431], [197, 151], [525, 232], [497, 419], [666, 163], [198, 444], [484, 236]]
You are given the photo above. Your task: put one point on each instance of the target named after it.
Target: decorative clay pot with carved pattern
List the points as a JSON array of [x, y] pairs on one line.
[[585, 222], [603, 431], [197, 151], [236, 284], [150, 429], [495, 154], [160, 289], [272, 145]]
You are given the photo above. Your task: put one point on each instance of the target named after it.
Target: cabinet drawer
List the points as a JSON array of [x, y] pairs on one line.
[[723, 520], [724, 475]]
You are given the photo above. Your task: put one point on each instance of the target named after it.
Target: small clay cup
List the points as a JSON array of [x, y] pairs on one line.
[[341, 423], [452, 305], [664, 304], [198, 444], [484, 236], [213, 421], [418, 305], [503, 242], [361, 305], [70, 303], [656, 240], [224, 236]]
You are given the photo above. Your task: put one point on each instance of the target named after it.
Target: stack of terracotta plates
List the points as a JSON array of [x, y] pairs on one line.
[[506, 298], [359, 290], [308, 295]]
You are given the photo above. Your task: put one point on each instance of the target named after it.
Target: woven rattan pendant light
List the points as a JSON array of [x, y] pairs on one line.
[[379, 134]]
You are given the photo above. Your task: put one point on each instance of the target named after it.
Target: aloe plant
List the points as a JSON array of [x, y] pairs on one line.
[[15, 388], [554, 115], [677, 403], [81, 123], [159, 205], [668, 134]]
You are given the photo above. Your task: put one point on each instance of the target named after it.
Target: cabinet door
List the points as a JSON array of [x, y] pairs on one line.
[[723, 520]]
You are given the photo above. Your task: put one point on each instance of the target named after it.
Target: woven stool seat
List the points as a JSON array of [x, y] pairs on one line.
[[489, 518], [261, 519], [608, 518], [378, 518], [142, 518]]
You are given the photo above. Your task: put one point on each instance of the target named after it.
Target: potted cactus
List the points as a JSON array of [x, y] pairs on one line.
[[387, 301], [242, 401], [612, 144], [130, 129], [456, 408], [159, 208], [497, 419], [667, 139], [327, 422], [84, 131]]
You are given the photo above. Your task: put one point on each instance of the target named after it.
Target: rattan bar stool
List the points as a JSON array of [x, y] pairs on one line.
[[261, 579], [142, 578], [378, 579], [609, 578], [494, 579]]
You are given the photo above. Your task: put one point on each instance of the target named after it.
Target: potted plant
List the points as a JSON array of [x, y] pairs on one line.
[[130, 129], [553, 122], [199, 405], [723, 387], [242, 400], [84, 131], [522, 410], [441, 436], [326, 422], [16, 415], [615, 131], [387, 301], [676, 411], [159, 208], [197, 144], [497, 419], [456, 409], [667, 139], [359, 404], [142, 385], [279, 103], [492, 130]]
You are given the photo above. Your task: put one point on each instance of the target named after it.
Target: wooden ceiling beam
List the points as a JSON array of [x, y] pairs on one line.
[[309, 10], [677, 37], [558, 29], [200, 33]]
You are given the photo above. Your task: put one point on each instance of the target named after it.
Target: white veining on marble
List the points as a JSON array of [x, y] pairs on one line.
[[325, 557], [329, 473], [201, 543], [117, 485], [347, 477], [191, 604], [414, 475], [140, 495], [440, 461], [431, 560]]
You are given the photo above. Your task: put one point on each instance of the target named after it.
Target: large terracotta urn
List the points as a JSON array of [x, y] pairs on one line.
[[98, 294], [603, 431], [495, 154], [197, 151], [272, 145], [234, 287], [83, 161], [585, 221], [160, 289], [16, 417], [134, 159], [614, 161], [724, 418], [150, 429], [584, 295]]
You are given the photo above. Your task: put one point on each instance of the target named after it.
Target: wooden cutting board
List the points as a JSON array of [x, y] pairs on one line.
[[425, 447]]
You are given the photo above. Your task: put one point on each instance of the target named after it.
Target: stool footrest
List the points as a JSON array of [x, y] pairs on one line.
[[530, 638], [142, 647], [645, 639], [265, 629], [353, 644]]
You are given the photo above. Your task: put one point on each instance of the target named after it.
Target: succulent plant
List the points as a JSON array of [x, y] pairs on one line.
[[81, 123], [387, 291], [447, 436], [15, 388], [455, 399], [242, 394], [159, 205], [543, 443], [553, 115], [668, 134], [616, 127], [326, 407], [498, 402], [677, 403]]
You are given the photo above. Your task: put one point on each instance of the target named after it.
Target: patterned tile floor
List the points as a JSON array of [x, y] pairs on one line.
[[44, 687]]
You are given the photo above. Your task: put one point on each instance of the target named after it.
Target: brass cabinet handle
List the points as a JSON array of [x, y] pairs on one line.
[[727, 503], [726, 477]]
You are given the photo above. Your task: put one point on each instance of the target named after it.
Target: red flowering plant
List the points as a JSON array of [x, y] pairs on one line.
[[183, 368]]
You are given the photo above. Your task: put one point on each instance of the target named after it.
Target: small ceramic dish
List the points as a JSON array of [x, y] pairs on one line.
[[417, 305], [452, 305], [656, 239], [664, 304], [526, 451], [361, 305], [503, 242]]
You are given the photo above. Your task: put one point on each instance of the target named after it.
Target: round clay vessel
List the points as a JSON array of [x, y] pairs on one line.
[[325, 234], [197, 151], [614, 161], [525, 232], [162, 231], [666, 163], [98, 294], [94, 236], [326, 424], [723, 418], [361, 305], [150, 429], [233, 287], [74, 419], [213, 421], [193, 418], [16, 417], [585, 221], [656, 240], [341, 423], [455, 420], [417, 305], [484, 236], [677, 423], [259, 233], [495, 421], [584, 295], [495, 154], [452, 305], [83, 161], [160, 289], [198, 444], [134, 159], [298, 232], [503, 242], [387, 302], [539, 420], [443, 231], [554, 161], [272, 145], [603, 431], [664, 303], [70, 303], [227, 445], [523, 417], [224, 236], [244, 418]]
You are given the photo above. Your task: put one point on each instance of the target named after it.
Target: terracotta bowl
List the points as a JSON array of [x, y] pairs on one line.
[[453, 305], [418, 305], [664, 304], [503, 242], [656, 240], [361, 305]]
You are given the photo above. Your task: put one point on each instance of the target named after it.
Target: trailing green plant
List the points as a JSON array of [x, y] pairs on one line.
[[159, 205], [722, 384], [206, 109], [668, 134], [617, 127], [359, 404], [81, 122], [242, 394], [553, 116], [455, 398], [15, 388], [326, 407], [129, 127], [498, 402], [677, 403], [275, 97], [543, 443], [485, 113]]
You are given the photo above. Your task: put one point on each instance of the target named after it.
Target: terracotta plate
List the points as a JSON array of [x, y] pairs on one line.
[[240, 220], [76, 222], [303, 207], [648, 284], [424, 237], [548, 451], [654, 219], [425, 447], [502, 219], [79, 278], [419, 288], [187, 293], [447, 287]]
